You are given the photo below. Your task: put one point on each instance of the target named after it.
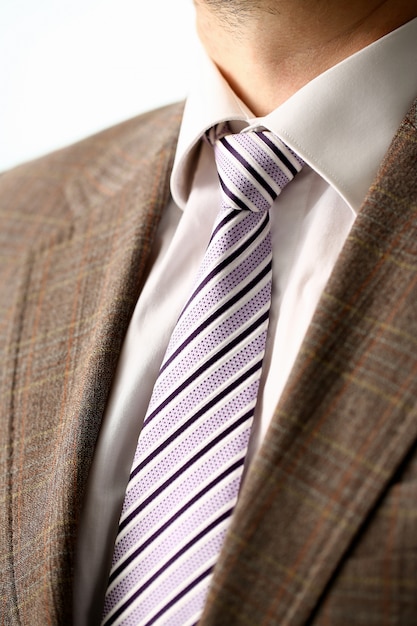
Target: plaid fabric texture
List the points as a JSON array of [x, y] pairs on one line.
[[325, 531]]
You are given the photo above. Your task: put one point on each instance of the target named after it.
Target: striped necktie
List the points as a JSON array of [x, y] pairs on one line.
[[188, 464]]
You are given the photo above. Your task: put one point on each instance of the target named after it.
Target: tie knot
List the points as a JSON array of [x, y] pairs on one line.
[[253, 167]]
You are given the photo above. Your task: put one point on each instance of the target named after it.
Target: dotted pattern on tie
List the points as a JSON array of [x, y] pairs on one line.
[[188, 464]]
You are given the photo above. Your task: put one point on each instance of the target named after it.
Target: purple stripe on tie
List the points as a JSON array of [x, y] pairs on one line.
[[278, 152], [190, 462], [232, 196], [190, 357], [226, 260], [212, 443], [207, 364], [212, 403], [186, 520], [242, 186], [180, 595], [171, 561], [192, 419], [213, 483], [226, 219], [250, 169], [238, 296]]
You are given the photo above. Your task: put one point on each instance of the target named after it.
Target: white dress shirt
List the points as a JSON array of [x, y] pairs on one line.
[[341, 124]]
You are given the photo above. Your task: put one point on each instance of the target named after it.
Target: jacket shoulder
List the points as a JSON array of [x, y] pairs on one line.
[[42, 191]]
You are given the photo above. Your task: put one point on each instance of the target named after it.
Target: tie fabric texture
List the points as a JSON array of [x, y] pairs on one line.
[[189, 460]]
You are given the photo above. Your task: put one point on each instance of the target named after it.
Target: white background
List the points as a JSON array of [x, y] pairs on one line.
[[69, 68]]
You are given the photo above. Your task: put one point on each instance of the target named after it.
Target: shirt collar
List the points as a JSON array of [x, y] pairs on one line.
[[341, 123]]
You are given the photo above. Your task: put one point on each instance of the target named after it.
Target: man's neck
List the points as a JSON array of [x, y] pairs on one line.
[[292, 41]]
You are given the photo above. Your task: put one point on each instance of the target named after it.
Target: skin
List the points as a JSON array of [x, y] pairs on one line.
[[295, 40]]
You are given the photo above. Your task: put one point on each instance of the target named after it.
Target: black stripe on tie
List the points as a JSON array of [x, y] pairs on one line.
[[233, 256], [178, 597], [218, 313], [209, 405], [170, 562], [225, 306], [116, 573], [248, 415], [211, 444], [232, 196], [229, 216], [256, 175], [195, 582], [218, 479], [278, 152], [261, 320], [227, 261]]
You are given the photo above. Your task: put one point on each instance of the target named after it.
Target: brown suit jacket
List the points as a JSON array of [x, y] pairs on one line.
[[325, 532]]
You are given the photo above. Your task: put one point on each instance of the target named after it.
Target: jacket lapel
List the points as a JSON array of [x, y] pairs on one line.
[[77, 291], [345, 423]]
